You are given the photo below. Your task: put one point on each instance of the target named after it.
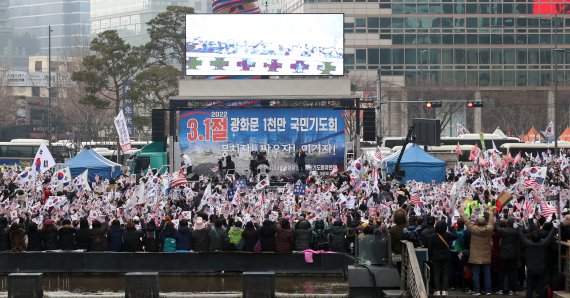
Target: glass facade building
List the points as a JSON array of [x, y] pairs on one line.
[[128, 17], [69, 20], [485, 43]]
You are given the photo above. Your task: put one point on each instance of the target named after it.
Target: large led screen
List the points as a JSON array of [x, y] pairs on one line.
[[264, 44], [551, 7]]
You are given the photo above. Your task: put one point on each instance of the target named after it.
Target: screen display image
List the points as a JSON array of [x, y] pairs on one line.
[[208, 135], [264, 44], [551, 7]]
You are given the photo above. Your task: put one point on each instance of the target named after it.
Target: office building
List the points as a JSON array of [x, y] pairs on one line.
[[481, 47], [129, 17], [30, 20]]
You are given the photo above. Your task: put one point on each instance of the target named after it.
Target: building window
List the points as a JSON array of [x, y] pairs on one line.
[[38, 66], [36, 91], [360, 56]]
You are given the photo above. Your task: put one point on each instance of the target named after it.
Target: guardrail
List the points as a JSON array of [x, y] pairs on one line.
[[410, 273], [565, 261]]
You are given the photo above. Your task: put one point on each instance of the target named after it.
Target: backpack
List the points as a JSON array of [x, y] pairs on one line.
[[321, 241], [169, 245]]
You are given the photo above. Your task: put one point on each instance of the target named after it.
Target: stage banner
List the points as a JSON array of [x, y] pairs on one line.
[[208, 135]]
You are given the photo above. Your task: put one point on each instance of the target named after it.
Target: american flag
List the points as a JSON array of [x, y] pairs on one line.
[[334, 170], [532, 184], [546, 210], [215, 169], [378, 155], [299, 189], [415, 199]]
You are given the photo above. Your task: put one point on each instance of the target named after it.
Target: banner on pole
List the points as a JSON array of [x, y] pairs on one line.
[[122, 131]]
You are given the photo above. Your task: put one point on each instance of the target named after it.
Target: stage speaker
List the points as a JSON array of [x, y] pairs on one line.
[[158, 125], [369, 125], [427, 131]]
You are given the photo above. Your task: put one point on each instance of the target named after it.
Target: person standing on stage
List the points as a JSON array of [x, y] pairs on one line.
[[187, 162], [300, 160]]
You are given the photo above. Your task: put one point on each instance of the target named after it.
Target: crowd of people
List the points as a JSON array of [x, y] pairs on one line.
[[482, 227]]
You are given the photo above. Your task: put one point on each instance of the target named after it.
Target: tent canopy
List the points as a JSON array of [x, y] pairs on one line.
[[418, 165], [532, 136], [97, 165]]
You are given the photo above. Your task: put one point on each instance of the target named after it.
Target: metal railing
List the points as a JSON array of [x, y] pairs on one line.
[[564, 261], [410, 272]]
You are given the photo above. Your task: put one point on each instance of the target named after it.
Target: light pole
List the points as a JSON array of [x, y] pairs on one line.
[[379, 134], [49, 87], [556, 51]]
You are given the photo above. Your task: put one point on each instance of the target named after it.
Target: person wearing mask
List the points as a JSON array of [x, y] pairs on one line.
[[440, 256], [303, 234], [509, 255], [284, 238], [183, 237], [536, 250], [66, 234], [219, 239], [249, 237], [81, 235], [480, 249], [132, 238], [49, 235], [200, 235]]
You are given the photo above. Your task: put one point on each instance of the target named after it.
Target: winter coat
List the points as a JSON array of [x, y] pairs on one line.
[[150, 238], [480, 248], [249, 239], [510, 243], [4, 238], [219, 239], [337, 236], [397, 230], [49, 237], [184, 238], [536, 252], [132, 240], [81, 238], [34, 238], [284, 240], [66, 237], [427, 235], [115, 237], [201, 239], [303, 235], [235, 235], [98, 238], [267, 238], [18, 240], [438, 250], [167, 232]]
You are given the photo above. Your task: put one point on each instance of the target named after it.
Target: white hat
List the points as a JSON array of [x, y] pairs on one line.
[[136, 218]]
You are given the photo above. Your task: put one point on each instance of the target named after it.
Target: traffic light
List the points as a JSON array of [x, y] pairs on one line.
[[432, 104], [475, 104]]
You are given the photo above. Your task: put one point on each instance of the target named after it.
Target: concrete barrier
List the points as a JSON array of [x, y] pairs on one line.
[[141, 285], [25, 285], [258, 285]]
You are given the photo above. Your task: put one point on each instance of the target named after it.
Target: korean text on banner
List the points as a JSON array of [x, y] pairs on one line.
[[122, 131]]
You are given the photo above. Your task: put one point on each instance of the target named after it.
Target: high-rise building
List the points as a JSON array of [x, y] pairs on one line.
[[5, 35], [30, 20], [201, 6], [475, 46], [128, 17]]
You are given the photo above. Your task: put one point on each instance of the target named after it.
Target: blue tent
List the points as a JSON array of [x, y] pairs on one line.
[[98, 165], [418, 165]]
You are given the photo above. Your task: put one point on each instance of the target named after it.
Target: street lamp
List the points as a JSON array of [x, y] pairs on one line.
[[49, 87]]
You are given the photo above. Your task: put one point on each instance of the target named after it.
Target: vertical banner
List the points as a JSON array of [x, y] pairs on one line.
[[128, 111], [122, 131], [208, 135]]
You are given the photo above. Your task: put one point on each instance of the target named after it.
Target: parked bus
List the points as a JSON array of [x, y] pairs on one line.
[[23, 151], [533, 148], [464, 139], [112, 145]]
